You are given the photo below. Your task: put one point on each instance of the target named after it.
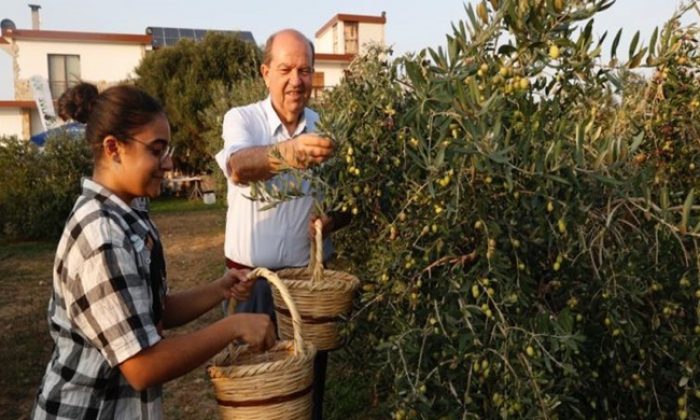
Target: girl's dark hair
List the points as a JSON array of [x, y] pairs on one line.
[[120, 111], [75, 103]]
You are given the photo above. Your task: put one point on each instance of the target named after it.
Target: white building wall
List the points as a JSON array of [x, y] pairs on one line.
[[341, 38], [324, 44], [370, 33], [11, 122], [36, 122], [333, 72], [98, 61], [101, 63]]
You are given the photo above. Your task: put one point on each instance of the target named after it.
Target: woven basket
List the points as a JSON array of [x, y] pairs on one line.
[[275, 384], [323, 297]]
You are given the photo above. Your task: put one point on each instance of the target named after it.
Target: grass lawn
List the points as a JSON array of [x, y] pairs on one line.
[[180, 205], [193, 235]]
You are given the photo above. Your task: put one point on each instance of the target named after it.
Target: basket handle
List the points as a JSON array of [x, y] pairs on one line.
[[316, 257], [286, 296]]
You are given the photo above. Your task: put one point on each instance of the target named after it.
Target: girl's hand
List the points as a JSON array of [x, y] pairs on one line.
[[236, 285], [257, 330]]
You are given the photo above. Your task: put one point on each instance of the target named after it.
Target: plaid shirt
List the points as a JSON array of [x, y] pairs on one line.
[[100, 313]]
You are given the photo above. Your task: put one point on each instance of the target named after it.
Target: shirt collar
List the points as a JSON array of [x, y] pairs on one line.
[[275, 124], [114, 204]]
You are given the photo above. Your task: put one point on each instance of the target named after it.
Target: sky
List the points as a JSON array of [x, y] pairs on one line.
[[411, 24]]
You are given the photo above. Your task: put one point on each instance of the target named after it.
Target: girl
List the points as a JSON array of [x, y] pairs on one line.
[[110, 298]]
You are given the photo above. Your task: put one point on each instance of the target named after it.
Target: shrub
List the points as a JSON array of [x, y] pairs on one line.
[[524, 218], [38, 187]]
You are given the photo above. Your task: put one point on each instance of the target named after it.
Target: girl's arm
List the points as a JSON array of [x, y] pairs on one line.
[[183, 307], [173, 357]]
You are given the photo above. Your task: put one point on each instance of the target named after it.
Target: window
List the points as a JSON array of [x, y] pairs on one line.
[[351, 38], [64, 72], [317, 84]]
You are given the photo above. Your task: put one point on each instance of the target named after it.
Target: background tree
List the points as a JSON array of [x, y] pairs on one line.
[[184, 78]]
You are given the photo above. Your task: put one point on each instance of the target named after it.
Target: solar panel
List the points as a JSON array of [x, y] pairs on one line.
[[165, 37], [171, 32]]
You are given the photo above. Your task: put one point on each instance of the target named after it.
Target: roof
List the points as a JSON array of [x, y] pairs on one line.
[[334, 57], [18, 104], [163, 37], [41, 35], [342, 17]]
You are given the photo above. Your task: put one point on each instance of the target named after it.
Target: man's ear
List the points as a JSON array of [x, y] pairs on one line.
[[111, 148], [265, 72]]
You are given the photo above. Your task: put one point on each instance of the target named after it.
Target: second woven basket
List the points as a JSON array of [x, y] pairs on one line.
[[323, 298]]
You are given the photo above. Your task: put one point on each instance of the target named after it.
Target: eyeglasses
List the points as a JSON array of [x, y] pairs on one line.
[[162, 153]]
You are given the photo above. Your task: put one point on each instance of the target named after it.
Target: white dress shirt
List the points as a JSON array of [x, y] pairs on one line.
[[273, 238]]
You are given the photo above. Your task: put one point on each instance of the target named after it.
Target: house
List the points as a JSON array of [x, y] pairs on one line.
[[63, 58], [19, 118], [337, 43]]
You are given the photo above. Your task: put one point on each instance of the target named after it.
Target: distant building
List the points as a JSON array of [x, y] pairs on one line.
[[339, 41], [65, 57]]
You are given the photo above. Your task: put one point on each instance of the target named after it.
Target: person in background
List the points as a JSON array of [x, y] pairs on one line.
[[110, 301], [259, 140]]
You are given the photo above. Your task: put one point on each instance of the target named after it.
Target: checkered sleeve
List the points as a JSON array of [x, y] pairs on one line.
[[110, 302]]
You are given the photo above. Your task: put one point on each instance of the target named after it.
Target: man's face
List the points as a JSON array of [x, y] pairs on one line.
[[288, 76]]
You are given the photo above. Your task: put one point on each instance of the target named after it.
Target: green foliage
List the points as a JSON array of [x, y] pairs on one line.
[[525, 224], [38, 187], [183, 77]]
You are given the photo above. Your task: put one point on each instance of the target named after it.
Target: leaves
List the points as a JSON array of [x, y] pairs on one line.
[[616, 42], [517, 221], [633, 45], [685, 215]]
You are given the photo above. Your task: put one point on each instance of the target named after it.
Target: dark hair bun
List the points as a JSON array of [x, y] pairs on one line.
[[76, 103]]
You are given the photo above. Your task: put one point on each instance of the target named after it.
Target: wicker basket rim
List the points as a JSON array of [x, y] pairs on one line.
[[225, 372], [332, 280]]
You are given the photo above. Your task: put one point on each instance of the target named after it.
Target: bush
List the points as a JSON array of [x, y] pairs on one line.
[[530, 213], [38, 187]]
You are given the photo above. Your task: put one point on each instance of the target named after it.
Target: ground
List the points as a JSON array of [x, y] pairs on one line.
[[193, 243]]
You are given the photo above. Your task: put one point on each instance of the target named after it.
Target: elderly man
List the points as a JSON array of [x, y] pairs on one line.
[[259, 139]]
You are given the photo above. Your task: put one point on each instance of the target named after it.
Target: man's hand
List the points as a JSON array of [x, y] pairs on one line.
[[330, 222], [326, 222], [235, 284], [305, 150]]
